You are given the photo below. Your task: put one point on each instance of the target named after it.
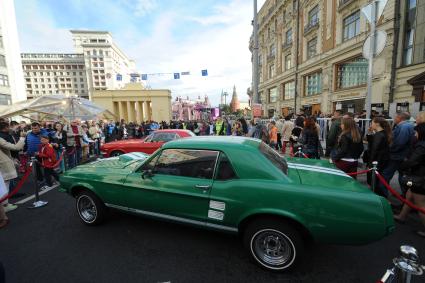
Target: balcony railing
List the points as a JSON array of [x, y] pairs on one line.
[[286, 45], [312, 25], [344, 3], [51, 55], [271, 57]]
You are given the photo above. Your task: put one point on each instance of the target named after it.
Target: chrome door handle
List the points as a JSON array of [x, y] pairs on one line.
[[203, 187]]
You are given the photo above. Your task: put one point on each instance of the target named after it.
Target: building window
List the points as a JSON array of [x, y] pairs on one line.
[[288, 62], [272, 50], [408, 47], [273, 95], [312, 48], [271, 71], [1, 41], [288, 37], [352, 73], [2, 61], [409, 32], [313, 16], [289, 91], [4, 80], [351, 26], [313, 84]]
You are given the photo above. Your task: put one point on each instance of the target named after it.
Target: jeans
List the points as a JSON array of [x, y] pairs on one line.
[[74, 157], [48, 174], [388, 173]]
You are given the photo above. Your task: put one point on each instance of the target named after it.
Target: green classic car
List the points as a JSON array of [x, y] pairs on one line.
[[237, 185]]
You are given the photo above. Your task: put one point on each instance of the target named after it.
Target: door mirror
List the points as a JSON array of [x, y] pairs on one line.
[[147, 174]]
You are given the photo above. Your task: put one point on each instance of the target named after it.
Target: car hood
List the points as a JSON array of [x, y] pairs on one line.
[[115, 162], [124, 142], [320, 173]]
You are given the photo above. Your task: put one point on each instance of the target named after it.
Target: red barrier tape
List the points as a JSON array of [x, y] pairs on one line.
[[397, 195], [18, 186], [358, 173]]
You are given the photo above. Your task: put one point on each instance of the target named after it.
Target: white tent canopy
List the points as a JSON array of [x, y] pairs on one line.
[[57, 106]]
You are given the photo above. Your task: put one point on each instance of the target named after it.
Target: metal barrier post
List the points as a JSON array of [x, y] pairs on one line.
[[374, 170], [300, 152], [37, 203], [407, 264]]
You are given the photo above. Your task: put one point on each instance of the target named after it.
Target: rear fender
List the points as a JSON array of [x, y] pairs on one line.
[[277, 213]]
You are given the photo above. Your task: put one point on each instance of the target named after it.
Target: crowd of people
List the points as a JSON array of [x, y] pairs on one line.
[[398, 147]]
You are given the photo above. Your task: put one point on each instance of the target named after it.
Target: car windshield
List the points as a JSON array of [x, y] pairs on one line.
[[274, 157]]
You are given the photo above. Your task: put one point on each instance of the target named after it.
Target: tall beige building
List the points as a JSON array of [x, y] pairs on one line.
[[11, 79], [107, 66], [47, 73], [409, 57], [311, 57], [98, 64]]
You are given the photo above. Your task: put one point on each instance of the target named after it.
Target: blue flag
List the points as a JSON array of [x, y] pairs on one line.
[[204, 73], [144, 77], [177, 76]]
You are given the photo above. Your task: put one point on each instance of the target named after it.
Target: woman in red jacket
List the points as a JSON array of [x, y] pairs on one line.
[[48, 160]]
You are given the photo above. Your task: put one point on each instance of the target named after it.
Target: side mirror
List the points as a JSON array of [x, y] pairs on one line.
[[147, 174]]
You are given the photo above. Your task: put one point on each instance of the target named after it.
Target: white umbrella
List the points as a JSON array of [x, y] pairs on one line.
[[61, 106]]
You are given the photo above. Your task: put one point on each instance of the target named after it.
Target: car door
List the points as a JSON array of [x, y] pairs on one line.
[[176, 185], [226, 196]]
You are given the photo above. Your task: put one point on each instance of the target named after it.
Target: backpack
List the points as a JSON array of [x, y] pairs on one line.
[[260, 133], [357, 149]]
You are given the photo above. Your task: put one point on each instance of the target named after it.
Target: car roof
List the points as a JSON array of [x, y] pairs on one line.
[[214, 143]]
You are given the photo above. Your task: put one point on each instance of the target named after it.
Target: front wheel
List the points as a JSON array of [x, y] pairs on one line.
[[274, 245], [90, 208]]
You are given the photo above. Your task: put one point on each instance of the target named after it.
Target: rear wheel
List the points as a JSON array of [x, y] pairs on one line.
[[274, 244], [116, 153], [90, 208]]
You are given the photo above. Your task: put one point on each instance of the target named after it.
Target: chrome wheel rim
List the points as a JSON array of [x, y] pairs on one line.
[[273, 249], [86, 209]]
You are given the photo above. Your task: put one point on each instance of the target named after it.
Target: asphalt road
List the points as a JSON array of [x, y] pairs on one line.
[[50, 244]]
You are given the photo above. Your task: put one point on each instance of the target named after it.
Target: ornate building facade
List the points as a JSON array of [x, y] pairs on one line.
[[311, 57]]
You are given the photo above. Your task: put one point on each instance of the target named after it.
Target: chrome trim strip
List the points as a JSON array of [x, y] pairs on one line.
[[173, 218], [314, 167], [321, 170]]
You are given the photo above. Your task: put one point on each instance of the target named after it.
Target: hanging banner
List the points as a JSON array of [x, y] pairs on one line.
[[204, 73], [119, 77], [144, 77], [177, 76], [256, 110]]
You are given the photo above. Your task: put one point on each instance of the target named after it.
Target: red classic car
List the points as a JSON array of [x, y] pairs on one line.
[[147, 145]]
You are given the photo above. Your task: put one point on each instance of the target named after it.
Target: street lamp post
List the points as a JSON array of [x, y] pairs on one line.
[[255, 73], [372, 49]]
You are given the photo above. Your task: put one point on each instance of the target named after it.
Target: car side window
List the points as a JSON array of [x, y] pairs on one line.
[[187, 163], [149, 165], [163, 137], [225, 169], [149, 138]]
